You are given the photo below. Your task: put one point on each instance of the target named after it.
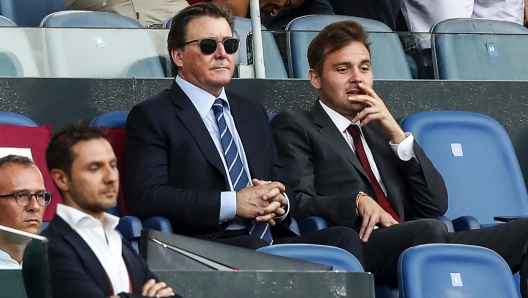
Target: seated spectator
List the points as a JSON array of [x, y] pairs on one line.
[[87, 256], [384, 11], [421, 15], [150, 13], [23, 200], [353, 165], [204, 157]]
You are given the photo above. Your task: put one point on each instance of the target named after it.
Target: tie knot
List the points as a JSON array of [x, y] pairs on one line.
[[218, 106], [353, 130]]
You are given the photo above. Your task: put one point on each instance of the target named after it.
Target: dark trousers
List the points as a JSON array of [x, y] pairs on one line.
[[342, 237], [509, 240]]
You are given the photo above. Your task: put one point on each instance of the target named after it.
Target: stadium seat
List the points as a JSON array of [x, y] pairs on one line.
[[29, 13], [451, 270], [475, 156], [16, 54], [88, 19], [388, 58], [114, 125], [130, 229], [101, 53], [6, 22], [479, 49], [338, 258]]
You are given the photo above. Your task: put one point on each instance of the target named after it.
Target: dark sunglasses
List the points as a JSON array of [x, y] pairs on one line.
[[209, 45]]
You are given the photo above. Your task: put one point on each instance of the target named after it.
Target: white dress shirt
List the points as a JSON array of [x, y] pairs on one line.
[[6, 262], [203, 101], [104, 241], [404, 150]]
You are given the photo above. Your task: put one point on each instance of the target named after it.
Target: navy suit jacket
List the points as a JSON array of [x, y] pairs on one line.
[[173, 168], [327, 175], [75, 270]]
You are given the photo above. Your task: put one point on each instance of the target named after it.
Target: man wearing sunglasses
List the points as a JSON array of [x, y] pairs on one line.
[[23, 200], [204, 157]]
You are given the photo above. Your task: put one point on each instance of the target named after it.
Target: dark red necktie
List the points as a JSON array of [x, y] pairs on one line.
[[353, 130]]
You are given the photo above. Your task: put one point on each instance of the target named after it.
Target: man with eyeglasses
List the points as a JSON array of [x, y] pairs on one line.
[[23, 200], [204, 157], [87, 257]]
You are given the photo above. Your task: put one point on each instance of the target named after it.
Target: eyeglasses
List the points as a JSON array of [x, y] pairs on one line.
[[23, 198], [209, 45]]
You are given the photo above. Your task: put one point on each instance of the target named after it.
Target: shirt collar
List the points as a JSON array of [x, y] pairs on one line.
[[78, 219], [340, 121], [201, 99]]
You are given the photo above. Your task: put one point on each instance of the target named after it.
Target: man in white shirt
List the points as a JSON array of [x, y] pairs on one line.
[[356, 167], [23, 200], [87, 256]]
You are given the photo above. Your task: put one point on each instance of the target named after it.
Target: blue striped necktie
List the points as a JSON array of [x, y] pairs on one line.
[[237, 173]]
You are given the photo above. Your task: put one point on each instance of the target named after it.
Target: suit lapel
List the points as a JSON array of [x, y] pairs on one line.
[[85, 253], [131, 263], [246, 128], [333, 136], [190, 118]]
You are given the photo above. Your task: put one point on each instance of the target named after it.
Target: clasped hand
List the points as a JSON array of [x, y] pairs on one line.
[[262, 201]]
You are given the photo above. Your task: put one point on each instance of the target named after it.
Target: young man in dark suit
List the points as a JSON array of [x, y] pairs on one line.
[[352, 164], [204, 157], [87, 256]]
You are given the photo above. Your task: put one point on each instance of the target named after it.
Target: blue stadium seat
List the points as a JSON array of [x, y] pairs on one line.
[[130, 229], [6, 22], [116, 119], [102, 53], [88, 19], [15, 119], [338, 258], [16, 54], [388, 58], [479, 49], [451, 270], [475, 156], [29, 13]]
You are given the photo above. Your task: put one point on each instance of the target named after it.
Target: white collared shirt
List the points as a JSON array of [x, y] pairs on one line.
[[404, 150], [104, 241], [203, 102], [6, 262]]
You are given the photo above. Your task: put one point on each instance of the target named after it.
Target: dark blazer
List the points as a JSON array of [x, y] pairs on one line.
[[75, 270], [326, 174], [173, 168]]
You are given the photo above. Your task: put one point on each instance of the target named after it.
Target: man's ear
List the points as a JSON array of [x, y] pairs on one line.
[[61, 179], [314, 79], [176, 57]]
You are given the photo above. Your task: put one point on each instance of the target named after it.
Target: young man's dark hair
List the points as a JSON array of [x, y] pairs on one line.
[[333, 38], [16, 159], [178, 33], [60, 155]]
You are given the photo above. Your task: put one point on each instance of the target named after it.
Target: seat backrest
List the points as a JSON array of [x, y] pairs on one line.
[[476, 158], [114, 125], [6, 22], [338, 258], [454, 270], [388, 56], [101, 53], [482, 50], [16, 54], [130, 229], [472, 25], [88, 19], [29, 13]]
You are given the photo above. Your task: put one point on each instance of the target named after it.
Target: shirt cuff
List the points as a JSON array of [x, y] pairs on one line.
[[227, 206], [280, 218], [404, 149]]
